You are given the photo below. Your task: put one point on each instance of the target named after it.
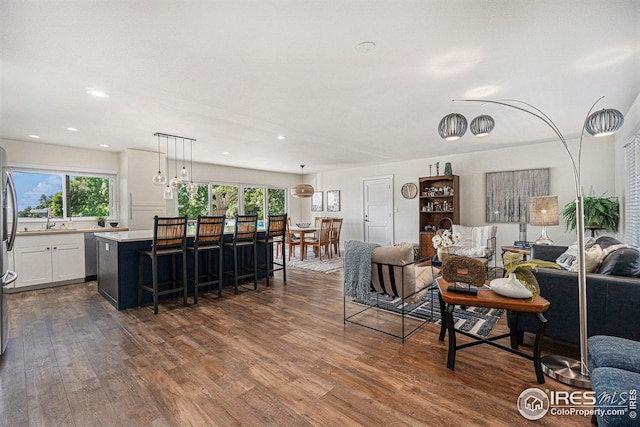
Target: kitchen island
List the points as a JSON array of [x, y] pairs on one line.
[[118, 265]]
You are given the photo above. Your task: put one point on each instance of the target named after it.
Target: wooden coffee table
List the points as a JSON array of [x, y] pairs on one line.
[[488, 298]]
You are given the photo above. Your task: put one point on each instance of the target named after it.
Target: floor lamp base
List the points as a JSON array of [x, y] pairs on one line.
[[565, 370]]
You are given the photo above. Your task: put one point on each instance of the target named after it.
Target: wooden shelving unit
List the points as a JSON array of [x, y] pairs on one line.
[[439, 207]]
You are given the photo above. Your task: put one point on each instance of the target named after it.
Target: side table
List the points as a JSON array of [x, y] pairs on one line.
[[488, 298]]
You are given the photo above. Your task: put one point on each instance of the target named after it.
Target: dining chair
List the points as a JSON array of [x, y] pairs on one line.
[[169, 239], [209, 239], [291, 240], [322, 241], [336, 227]]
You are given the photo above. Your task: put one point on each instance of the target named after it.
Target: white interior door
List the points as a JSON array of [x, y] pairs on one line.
[[378, 209]]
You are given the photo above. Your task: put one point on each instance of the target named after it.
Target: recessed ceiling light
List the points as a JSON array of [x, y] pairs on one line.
[[72, 129], [104, 145], [225, 153], [97, 92], [281, 137], [366, 47], [34, 136]]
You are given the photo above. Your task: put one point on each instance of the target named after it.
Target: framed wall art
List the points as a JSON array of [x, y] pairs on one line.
[[333, 201], [508, 193], [316, 202]]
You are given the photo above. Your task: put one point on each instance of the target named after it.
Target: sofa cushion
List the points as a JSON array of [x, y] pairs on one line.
[[606, 241], [623, 261], [613, 352]]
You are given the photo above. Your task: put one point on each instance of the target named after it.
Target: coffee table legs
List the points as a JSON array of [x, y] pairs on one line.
[[537, 347], [448, 325]]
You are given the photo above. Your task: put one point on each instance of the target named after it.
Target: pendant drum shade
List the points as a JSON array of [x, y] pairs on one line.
[[482, 125], [302, 190], [604, 122], [452, 126]]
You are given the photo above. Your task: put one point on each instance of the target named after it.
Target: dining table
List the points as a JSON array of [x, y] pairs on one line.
[[301, 231]]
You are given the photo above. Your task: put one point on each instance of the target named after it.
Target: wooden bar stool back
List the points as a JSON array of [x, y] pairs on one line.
[[209, 239], [245, 236], [169, 239], [275, 234]]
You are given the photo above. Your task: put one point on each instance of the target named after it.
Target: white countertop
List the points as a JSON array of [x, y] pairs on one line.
[[69, 230], [139, 235], [127, 236]]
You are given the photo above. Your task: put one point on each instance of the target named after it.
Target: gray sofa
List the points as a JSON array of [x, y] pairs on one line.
[[613, 295]]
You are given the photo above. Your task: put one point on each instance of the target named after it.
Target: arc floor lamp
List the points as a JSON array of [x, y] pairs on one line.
[[599, 123]]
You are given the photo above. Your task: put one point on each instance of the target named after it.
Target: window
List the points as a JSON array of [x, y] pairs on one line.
[[632, 190], [63, 194], [276, 201], [224, 200], [254, 202], [195, 204]]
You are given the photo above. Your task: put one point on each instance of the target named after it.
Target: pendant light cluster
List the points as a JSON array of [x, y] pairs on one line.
[[454, 125], [302, 190], [181, 177]]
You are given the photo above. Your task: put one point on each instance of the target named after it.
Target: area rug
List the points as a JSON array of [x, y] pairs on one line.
[[327, 265], [475, 320]]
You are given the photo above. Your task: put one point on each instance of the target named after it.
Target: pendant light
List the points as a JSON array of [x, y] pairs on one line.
[[452, 126], [159, 178], [482, 125], [167, 193], [184, 173], [175, 182], [302, 190], [191, 187], [604, 122]]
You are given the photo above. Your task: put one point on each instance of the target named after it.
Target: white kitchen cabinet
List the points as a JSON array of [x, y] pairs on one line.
[[55, 258]]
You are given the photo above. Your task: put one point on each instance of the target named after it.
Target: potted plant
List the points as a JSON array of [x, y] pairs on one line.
[[100, 221], [519, 272], [599, 213]]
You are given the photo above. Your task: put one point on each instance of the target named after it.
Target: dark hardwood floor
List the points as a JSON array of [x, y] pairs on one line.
[[276, 356]]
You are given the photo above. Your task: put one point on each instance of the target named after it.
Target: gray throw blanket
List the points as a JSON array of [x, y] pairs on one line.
[[357, 269]]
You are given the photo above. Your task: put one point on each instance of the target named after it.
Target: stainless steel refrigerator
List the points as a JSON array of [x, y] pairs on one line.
[[9, 224]]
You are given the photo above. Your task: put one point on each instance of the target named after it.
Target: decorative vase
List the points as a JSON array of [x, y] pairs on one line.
[[510, 287], [443, 253], [447, 169]]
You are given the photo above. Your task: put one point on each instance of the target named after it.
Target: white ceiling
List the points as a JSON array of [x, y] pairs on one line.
[[235, 74]]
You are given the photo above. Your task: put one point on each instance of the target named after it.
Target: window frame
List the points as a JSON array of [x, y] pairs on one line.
[[64, 174]]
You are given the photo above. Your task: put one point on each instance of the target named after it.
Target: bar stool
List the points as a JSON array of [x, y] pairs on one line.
[[244, 236], [209, 238], [169, 239], [275, 234]]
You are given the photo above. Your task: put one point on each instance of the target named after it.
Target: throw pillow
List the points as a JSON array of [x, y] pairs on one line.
[[466, 239], [568, 258], [623, 261], [592, 256], [480, 236]]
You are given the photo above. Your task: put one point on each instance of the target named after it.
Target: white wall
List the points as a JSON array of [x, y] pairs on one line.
[[598, 167]]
